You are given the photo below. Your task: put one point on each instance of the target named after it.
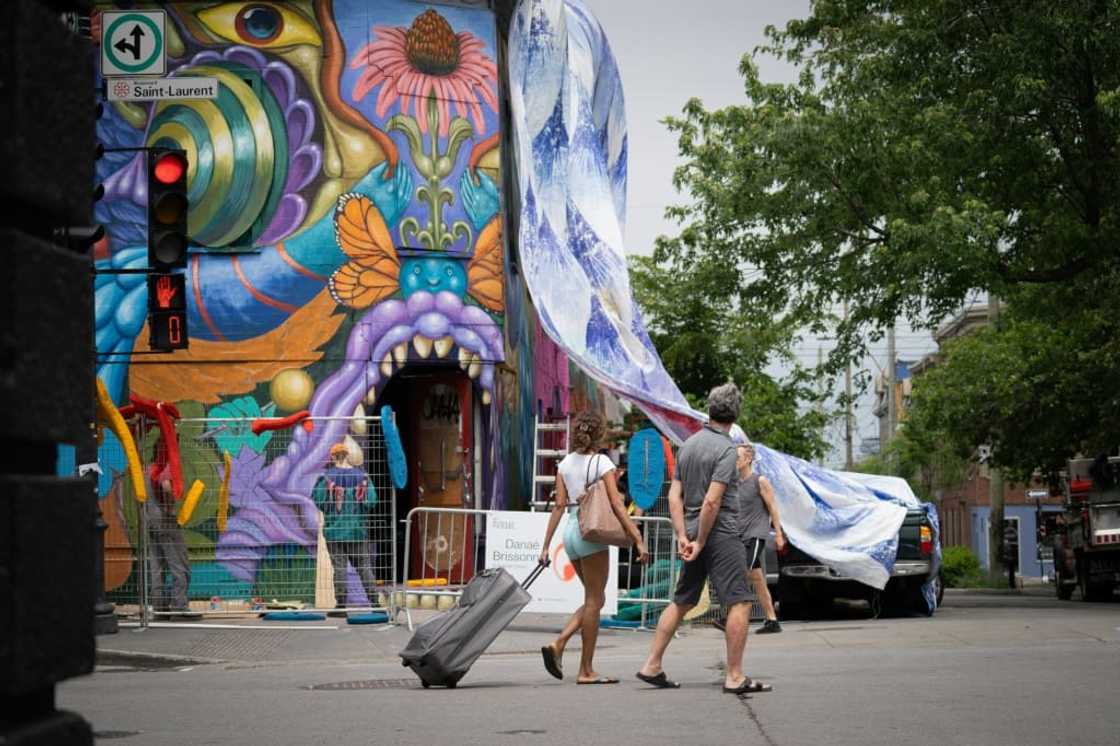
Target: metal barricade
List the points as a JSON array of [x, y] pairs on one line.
[[252, 544], [444, 547], [449, 541], [649, 587]]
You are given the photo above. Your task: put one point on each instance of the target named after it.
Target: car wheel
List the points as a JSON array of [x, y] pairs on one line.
[[916, 602], [875, 603], [790, 601], [1062, 587], [1091, 592]]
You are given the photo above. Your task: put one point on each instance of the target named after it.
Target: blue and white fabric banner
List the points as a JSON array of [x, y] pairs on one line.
[[570, 131], [569, 124]]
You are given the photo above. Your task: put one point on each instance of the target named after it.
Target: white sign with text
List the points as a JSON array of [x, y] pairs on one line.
[[161, 89], [514, 540]]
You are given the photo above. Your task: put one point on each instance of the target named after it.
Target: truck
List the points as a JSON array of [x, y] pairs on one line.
[[1087, 547], [808, 587]]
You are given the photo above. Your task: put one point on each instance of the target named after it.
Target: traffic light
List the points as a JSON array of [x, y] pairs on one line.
[[167, 312], [167, 209]]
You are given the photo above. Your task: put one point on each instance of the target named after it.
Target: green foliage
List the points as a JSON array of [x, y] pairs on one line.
[[959, 567], [705, 339], [929, 149]]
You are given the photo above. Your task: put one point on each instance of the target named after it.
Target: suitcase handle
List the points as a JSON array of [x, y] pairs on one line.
[[536, 573]]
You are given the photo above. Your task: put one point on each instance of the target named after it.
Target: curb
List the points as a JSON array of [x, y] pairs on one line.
[[185, 660]]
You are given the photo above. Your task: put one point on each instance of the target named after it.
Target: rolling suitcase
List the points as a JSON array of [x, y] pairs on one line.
[[443, 649]]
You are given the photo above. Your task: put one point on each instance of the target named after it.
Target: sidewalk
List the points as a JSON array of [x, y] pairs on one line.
[[333, 640]]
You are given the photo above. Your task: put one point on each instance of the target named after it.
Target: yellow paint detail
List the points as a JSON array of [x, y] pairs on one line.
[[223, 493], [111, 416], [190, 503], [135, 115]]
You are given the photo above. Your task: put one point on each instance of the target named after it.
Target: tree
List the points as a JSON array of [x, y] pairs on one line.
[[931, 149], [705, 338]]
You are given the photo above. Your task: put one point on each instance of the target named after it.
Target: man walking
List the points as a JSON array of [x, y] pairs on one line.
[[704, 507], [757, 511]]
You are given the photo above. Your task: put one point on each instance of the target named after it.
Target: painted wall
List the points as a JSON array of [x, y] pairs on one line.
[[1029, 565], [350, 169]]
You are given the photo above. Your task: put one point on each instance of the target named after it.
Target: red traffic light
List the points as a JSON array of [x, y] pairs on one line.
[[169, 168]]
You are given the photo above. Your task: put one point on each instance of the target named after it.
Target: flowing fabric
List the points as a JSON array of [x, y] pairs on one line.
[[569, 124]]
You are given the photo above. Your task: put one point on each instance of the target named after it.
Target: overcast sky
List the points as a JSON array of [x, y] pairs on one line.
[[669, 53]]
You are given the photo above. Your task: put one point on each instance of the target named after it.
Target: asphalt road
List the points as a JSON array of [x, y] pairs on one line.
[[1015, 670]]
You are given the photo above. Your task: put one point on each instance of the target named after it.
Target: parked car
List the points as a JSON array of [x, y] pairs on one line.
[[808, 587]]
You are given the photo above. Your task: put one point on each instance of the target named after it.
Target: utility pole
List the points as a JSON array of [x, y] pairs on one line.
[[849, 463], [820, 391], [892, 410], [995, 486]]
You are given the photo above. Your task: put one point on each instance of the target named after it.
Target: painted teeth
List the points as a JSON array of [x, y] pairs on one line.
[[353, 451], [464, 358], [358, 423], [486, 397], [443, 346], [423, 345], [400, 353], [387, 366], [475, 367], [371, 396]]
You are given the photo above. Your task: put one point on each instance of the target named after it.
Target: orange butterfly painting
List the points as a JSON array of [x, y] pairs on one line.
[[373, 271]]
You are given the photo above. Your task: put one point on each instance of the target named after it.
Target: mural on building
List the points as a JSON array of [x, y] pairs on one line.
[[346, 184]]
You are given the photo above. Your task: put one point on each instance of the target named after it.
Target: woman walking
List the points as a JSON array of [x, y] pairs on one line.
[[579, 469]]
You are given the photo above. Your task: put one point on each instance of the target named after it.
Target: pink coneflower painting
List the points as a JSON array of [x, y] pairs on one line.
[[427, 58]]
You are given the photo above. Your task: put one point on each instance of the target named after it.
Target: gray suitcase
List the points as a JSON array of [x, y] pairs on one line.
[[443, 649]]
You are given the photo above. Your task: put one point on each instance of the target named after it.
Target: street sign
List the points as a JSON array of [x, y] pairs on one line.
[[133, 43], [1038, 494], [159, 89]]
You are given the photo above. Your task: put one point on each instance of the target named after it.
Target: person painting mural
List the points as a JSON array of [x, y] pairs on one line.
[[346, 497], [169, 563], [758, 510]]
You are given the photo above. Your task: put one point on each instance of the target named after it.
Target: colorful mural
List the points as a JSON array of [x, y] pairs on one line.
[[345, 195]]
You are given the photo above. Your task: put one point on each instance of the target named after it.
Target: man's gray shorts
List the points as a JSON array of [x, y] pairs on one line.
[[723, 562]]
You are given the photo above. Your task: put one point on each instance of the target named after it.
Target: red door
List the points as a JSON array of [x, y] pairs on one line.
[[440, 469]]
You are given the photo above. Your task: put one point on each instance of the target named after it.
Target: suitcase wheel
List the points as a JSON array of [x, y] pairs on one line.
[[452, 684], [425, 684]]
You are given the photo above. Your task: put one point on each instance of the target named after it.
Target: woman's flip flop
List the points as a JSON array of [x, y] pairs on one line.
[[551, 664], [600, 680], [748, 687], [659, 680]]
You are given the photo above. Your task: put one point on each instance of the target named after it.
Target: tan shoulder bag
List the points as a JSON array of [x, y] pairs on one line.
[[597, 520]]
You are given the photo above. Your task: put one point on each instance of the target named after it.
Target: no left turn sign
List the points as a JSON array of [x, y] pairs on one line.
[[132, 43]]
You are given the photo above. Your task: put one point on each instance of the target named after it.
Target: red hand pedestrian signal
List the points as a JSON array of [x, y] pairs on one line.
[[165, 291], [167, 312]]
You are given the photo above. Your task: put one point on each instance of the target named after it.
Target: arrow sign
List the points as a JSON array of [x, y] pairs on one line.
[[123, 45], [133, 43]]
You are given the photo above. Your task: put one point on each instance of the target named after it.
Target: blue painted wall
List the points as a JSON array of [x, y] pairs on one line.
[[1028, 546]]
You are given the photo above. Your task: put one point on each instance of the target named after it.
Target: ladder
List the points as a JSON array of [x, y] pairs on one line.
[[544, 482]]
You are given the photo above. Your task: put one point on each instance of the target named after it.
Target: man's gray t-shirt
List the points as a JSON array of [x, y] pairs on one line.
[[754, 518], [706, 457]]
